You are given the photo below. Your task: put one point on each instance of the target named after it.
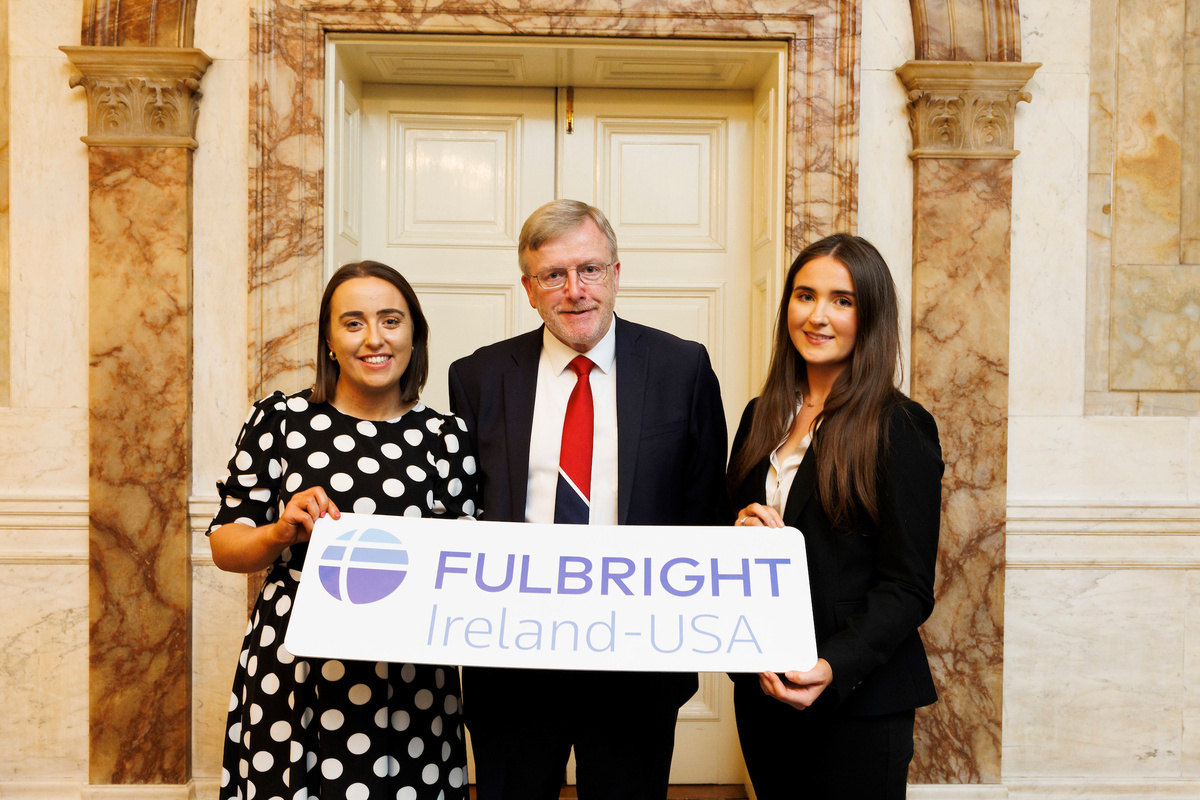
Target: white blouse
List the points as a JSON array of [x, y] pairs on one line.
[[781, 475]]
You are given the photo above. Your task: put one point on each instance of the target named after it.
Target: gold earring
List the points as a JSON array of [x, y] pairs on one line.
[[332, 357]]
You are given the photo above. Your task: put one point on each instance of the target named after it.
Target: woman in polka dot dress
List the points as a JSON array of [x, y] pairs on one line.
[[360, 441]]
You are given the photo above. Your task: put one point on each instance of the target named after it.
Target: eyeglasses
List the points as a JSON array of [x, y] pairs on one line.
[[556, 277]]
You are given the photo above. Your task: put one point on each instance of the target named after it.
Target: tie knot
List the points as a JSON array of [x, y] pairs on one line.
[[581, 365]]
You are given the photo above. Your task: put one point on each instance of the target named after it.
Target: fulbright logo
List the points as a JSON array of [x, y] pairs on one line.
[[363, 566]]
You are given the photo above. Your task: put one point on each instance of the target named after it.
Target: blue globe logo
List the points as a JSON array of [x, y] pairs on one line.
[[363, 566]]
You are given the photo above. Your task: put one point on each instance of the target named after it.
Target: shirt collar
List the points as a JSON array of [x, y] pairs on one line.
[[603, 354]]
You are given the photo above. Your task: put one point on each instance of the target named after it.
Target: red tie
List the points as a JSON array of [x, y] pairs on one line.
[[573, 499]]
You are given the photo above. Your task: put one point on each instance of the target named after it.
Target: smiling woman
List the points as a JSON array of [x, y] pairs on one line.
[[360, 441], [833, 448], [373, 356]]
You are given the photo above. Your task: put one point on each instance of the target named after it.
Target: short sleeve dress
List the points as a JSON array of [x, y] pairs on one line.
[[310, 728]]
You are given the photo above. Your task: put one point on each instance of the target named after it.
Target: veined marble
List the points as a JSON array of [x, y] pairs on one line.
[[1156, 327], [960, 373], [44, 671], [43, 452], [1101, 657], [1143, 206], [1149, 132], [287, 127], [140, 401]]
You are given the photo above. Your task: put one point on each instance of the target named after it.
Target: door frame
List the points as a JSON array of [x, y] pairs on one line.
[[287, 117]]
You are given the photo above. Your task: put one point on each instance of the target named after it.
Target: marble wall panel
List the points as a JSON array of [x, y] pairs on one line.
[[43, 671], [48, 278], [1156, 327], [1144, 195], [286, 127], [885, 214], [43, 452], [1190, 746], [219, 611], [1056, 35], [1099, 288], [1149, 132], [960, 373], [1189, 211], [38, 29], [1193, 460], [219, 274], [139, 399], [5, 366], [1049, 250], [1103, 95], [1099, 459], [1076, 702], [887, 36], [222, 29]]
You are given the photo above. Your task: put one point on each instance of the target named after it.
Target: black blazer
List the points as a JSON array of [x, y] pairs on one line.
[[872, 587], [671, 441]]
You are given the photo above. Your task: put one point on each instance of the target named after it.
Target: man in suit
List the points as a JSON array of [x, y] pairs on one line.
[[631, 433]]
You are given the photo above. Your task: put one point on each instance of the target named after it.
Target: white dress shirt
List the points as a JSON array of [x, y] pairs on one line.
[[555, 382]]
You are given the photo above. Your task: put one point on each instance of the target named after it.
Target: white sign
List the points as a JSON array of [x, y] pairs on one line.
[[501, 594]]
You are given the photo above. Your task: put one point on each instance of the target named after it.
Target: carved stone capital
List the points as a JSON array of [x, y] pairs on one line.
[[140, 96], [964, 109]]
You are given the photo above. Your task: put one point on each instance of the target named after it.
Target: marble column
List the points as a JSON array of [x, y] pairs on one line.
[[141, 134], [962, 117]]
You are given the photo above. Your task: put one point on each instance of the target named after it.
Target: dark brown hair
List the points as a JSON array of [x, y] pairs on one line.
[[328, 370], [853, 433]]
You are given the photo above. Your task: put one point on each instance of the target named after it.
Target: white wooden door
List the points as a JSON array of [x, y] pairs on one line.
[[449, 174], [672, 171]]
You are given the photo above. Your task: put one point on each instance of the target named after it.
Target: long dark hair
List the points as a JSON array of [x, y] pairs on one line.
[[328, 370], [852, 433]]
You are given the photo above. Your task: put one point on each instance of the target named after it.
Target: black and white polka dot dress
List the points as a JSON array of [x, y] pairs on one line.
[[340, 730]]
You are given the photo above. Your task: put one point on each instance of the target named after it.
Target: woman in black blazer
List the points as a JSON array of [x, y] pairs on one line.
[[833, 448]]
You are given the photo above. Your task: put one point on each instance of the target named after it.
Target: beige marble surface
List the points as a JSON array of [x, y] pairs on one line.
[[218, 606], [1099, 691], [1076, 457], [1190, 745], [221, 234], [1049, 251], [139, 402], [1156, 327], [44, 671], [1193, 459], [1189, 211], [1149, 132], [43, 452], [49, 175], [960, 373], [885, 177], [5, 328], [1143, 203], [38, 29]]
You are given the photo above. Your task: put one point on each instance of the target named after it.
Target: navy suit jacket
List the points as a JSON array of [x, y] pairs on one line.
[[671, 441], [871, 586]]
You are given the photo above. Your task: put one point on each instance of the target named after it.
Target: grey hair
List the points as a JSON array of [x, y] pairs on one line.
[[557, 219]]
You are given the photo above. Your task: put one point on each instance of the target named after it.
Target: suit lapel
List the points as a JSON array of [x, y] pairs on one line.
[[803, 486], [520, 388], [632, 364]]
